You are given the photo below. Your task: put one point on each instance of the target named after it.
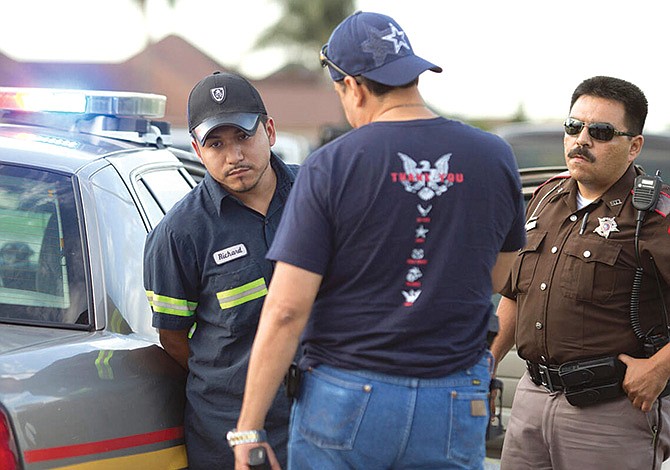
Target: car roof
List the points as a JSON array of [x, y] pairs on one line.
[[68, 151]]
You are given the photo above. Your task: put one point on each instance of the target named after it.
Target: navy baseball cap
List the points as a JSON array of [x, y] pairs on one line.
[[374, 46], [223, 99]]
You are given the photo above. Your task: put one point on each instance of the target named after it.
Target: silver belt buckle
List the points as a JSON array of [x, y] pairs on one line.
[[545, 378]]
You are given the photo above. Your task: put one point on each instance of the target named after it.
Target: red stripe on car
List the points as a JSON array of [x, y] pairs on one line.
[[98, 447]]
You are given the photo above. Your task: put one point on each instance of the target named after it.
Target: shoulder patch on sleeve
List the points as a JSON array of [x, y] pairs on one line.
[[663, 204]]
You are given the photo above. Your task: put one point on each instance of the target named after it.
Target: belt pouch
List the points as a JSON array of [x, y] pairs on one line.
[[584, 373], [592, 395]]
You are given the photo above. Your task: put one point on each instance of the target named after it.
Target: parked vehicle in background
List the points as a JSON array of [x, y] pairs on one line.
[[541, 145], [83, 381]]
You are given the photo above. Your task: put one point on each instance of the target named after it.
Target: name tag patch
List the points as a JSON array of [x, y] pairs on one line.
[[230, 253]]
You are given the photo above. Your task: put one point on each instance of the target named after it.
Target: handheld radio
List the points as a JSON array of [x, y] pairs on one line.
[[646, 191]]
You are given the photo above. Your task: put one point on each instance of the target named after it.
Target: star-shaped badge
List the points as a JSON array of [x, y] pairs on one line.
[[606, 226]]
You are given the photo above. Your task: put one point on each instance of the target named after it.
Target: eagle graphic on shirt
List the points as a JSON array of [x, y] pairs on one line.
[[424, 180]]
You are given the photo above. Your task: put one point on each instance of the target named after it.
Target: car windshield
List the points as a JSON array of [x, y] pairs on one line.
[[41, 264]]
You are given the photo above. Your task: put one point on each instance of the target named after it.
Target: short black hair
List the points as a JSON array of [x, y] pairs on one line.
[[379, 89], [633, 100]]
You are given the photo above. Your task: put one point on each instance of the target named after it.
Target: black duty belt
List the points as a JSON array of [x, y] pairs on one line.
[[546, 376], [584, 382]]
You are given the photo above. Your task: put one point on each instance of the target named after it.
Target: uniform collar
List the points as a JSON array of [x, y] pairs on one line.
[[613, 198]]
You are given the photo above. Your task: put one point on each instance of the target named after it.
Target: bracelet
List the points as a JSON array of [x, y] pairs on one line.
[[235, 437]]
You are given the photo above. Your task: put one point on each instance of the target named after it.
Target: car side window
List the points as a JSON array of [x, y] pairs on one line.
[[41, 264], [159, 190]]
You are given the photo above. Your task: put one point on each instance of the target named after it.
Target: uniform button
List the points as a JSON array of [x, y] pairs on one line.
[[543, 286], [538, 325], [587, 254], [573, 217], [554, 249]]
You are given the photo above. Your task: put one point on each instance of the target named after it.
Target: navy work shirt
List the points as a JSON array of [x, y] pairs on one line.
[[205, 269]]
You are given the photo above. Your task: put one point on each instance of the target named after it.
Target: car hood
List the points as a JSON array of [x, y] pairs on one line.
[[16, 337]]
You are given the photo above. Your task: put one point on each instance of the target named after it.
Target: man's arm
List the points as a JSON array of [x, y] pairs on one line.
[[504, 340], [501, 270], [284, 316], [175, 343]]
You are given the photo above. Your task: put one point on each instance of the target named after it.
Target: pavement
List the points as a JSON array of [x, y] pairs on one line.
[[491, 464]]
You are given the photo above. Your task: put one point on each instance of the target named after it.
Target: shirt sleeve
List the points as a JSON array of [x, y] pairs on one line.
[[516, 237], [170, 280]]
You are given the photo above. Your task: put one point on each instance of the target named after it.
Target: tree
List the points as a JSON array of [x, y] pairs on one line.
[[142, 5], [305, 26]]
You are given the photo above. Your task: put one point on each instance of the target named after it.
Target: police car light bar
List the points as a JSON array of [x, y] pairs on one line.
[[109, 103]]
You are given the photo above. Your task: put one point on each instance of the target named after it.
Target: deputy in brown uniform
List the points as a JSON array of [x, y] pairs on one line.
[[590, 397]]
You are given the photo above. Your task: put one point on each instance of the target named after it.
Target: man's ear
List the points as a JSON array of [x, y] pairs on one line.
[[359, 90], [635, 147], [271, 131], [196, 147]]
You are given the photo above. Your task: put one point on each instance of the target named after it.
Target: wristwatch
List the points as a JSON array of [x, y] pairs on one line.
[[236, 437]]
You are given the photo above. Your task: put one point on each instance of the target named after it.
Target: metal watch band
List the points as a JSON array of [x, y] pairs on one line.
[[236, 437]]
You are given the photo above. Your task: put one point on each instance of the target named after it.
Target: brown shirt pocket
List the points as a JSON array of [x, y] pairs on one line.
[[526, 263], [587, 273]]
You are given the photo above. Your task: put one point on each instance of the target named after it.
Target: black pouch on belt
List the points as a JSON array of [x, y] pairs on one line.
[[592, 381]]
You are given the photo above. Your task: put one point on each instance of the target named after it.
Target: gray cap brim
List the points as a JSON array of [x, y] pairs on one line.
[[247, 122]]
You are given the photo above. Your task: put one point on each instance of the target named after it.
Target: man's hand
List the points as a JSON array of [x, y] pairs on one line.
[[643, 382], [242, 456]]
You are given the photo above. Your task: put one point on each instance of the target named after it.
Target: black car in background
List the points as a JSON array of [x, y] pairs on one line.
[[541, 145]]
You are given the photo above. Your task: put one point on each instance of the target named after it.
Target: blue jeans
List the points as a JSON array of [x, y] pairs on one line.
[[364, 420]]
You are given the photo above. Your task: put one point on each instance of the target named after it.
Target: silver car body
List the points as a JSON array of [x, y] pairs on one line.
[[92, 389]]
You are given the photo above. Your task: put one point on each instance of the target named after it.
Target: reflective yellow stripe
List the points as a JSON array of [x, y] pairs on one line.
[[170, 305], [239, 295], [172, 458]]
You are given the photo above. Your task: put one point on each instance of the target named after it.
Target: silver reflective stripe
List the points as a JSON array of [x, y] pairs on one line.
[[242, 294]]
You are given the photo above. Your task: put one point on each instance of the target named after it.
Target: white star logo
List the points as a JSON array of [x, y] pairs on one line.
[[397, 38], [421, 232]]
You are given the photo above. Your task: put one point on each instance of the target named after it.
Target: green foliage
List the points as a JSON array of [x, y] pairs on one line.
[[305, 25]]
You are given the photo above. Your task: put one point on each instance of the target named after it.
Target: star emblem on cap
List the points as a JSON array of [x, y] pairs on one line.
[[397, 37], [381, 43], [606, 226]]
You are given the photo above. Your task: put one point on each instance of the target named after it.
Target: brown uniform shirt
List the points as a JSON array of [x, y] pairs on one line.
[[573, 290]]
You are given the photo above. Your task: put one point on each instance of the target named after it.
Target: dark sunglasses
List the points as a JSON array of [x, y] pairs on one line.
[[325, 61], [598, 130]]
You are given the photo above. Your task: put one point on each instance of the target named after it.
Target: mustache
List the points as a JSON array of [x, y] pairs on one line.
[[238, 167], [582, 152]]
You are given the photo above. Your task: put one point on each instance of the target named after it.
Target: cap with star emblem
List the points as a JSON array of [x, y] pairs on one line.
[[223, 99], [375, 46]]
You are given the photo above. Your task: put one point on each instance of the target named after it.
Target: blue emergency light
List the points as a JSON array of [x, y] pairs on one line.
[[120, 115]]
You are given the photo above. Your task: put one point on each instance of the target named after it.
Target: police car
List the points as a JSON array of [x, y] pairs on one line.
[[83, 381]]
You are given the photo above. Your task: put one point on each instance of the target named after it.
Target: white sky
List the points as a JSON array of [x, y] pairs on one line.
[[496, 55]]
